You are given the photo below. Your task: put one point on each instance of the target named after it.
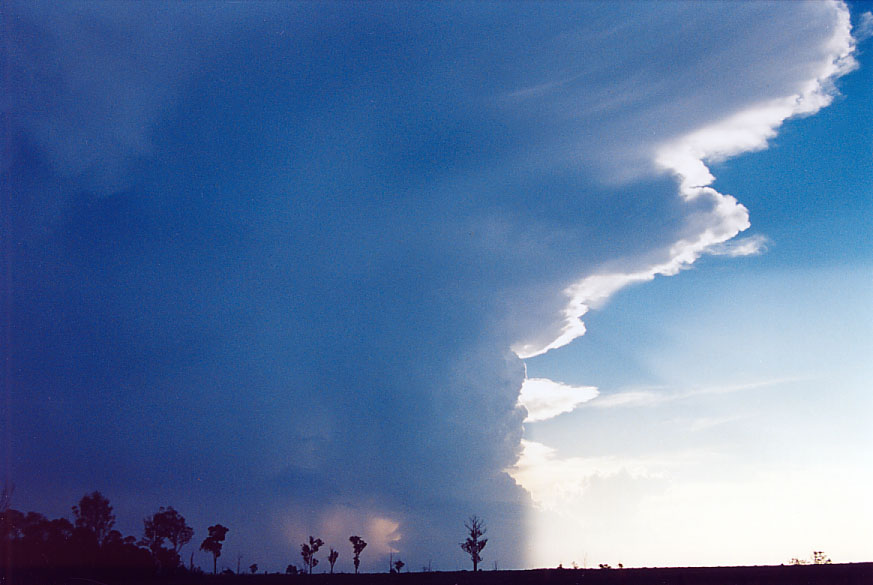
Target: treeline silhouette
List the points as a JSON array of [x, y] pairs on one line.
[[34, 548], [37, 550]]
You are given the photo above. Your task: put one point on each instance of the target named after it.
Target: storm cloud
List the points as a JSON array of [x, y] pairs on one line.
[[275, 264]]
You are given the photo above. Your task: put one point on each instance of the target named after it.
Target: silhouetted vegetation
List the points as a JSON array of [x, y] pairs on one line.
[[475, 543], [35, 550], [331, 558], [307, 551], [358, 546], [166, 525], [213, 543], [94, 514], [818, 558]]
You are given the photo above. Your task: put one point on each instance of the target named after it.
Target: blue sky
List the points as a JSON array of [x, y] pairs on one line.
[[746, 379], [288, 267]]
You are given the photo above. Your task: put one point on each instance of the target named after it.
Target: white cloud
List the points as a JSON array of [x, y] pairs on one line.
[[631, 398], [750, 246], [654, 396], [717, 217], [555, 481], [864, 28], [545, 399], [593, 509]]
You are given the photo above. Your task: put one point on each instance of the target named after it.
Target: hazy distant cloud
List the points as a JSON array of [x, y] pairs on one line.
[[578, 496], [644, 397], [738, 247], [864, 28], [633, 398], [544, 399], [556, 481], [707, 422]]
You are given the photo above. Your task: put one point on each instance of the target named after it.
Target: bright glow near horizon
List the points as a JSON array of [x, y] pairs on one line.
[[765, 470]]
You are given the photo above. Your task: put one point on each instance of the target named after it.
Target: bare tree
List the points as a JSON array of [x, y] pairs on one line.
[[331, 558], [307, 551], [358, 545], [475, 543]]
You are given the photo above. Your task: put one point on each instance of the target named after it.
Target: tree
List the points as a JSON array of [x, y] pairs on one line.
[[253, 568], [475, 543], [307, 551], [291, 570], [819, 558], [358, 545], [212, 543], [6, 497], [398, 564], [173, 527], [166, 524], [331, 558], [94, 515]]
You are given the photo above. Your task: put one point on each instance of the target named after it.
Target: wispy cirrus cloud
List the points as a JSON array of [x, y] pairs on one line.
[[739, 247], [864, 28], [644, 397]]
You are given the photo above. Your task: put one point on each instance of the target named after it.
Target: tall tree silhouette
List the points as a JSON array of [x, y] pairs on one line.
[[212, 543], [307, 551], [358, 546], [166, 524], [94, 515], [475, 543], [331, 558]]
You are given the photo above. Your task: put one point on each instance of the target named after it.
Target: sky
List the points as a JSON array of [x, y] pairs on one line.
[[598, 273]]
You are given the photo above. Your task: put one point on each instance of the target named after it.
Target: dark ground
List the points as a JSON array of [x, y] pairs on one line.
[[842, 574]]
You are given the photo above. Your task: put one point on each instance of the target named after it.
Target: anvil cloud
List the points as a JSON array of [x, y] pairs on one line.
[[277, 265]]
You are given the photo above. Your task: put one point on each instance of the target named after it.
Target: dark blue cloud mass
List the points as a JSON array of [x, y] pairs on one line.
[[266, 262]]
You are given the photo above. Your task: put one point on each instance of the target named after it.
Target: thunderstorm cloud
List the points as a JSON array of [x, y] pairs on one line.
[[277, 265]]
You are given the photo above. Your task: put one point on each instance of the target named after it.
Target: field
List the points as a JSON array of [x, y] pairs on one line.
[[834, 574]]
